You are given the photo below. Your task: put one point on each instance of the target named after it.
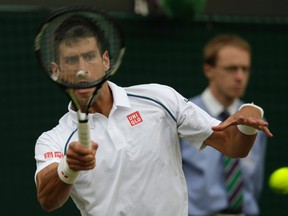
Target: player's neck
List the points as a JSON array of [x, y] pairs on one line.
[[104, 102]]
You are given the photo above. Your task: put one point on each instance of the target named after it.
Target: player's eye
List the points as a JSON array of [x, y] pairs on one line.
[[89, 56], [72, 60]]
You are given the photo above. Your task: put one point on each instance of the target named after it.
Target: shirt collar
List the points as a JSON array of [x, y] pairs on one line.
[[214, 106], [120, 99]]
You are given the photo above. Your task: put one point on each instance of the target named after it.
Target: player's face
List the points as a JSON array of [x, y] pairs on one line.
[[82, 54], [229, 77]]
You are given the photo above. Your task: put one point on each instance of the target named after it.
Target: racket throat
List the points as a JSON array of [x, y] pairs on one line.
[[82, 117]]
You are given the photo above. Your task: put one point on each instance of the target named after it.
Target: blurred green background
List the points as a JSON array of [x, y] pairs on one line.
[[159, 50]]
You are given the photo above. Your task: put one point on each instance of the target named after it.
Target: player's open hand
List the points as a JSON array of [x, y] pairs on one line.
[[248, 116]]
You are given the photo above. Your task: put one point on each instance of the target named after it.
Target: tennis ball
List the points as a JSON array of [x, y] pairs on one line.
[[278, 180]]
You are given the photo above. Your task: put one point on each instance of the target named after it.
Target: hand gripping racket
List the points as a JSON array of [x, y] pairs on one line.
[[80, 48]]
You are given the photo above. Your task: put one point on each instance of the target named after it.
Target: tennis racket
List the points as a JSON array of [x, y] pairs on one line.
[[69, 45]]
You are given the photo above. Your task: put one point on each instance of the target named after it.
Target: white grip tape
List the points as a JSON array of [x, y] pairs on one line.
[[84, 134], [65, 173], [247, 129]]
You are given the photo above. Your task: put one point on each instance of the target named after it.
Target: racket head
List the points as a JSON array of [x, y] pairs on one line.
[[45, 45]]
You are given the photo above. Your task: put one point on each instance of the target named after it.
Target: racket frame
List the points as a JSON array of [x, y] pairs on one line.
[[83, 125]]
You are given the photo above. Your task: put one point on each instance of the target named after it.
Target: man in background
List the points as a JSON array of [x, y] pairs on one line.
[[227, 62]]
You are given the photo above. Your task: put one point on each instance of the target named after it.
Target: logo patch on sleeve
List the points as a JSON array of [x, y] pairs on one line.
[[53, 155], [134, 118]]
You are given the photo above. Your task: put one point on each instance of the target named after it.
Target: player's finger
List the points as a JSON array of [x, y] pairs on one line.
[[94, 147], [266, 131], [223, 125], [78, 148]]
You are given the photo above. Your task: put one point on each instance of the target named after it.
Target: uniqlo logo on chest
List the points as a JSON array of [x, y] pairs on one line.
[[134, 118]]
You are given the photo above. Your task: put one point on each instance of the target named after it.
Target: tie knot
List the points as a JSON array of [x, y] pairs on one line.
[[224, 115]]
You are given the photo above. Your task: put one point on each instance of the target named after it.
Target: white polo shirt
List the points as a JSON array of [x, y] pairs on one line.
[[139, 166]]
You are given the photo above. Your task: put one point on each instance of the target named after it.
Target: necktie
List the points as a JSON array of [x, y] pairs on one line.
[[233, 178]]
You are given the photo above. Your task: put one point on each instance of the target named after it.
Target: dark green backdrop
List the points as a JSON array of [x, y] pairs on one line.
[[158, 50]]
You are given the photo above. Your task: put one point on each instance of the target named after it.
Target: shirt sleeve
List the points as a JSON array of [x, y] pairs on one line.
[[47, 151], [194, 124]]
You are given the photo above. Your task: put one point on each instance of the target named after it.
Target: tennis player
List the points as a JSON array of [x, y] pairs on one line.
[[134, 166]]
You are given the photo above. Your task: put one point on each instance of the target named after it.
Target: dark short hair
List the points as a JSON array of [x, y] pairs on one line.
[[77, 27]]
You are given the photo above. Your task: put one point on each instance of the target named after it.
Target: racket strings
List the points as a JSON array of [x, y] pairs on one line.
[[45, 46]]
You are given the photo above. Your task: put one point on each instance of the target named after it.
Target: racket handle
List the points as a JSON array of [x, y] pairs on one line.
[[84, 133]]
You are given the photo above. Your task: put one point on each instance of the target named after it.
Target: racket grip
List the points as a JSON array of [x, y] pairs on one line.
[[84, 134]]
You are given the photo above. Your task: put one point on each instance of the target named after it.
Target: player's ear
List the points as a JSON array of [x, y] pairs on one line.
[[208, 70], [106, 60], [54, 69]]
